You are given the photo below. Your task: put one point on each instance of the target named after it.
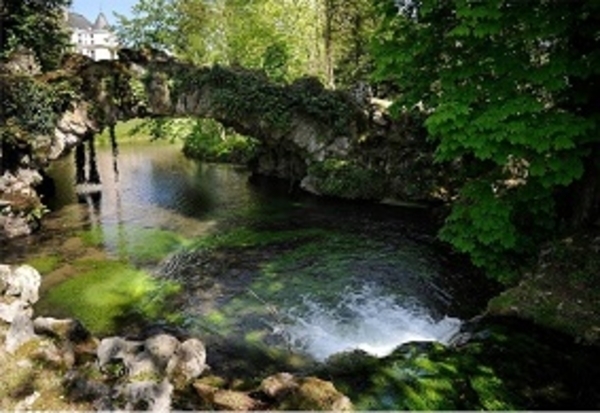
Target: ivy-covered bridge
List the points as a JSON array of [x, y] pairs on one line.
[[322, 138]]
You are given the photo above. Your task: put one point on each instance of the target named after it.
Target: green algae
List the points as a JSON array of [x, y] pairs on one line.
[[104, 291], [138, 245], [45, 263], [243, 237]]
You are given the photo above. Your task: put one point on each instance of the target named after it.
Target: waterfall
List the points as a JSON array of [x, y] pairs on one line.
[[367, 319]]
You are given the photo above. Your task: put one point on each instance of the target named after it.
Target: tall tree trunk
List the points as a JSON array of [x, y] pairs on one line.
[[585, 194], [328, 41]]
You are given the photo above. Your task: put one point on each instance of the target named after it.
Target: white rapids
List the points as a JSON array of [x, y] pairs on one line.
[[364, 320]]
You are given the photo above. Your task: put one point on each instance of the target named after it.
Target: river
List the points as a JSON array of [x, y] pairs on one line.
[[268, 276]]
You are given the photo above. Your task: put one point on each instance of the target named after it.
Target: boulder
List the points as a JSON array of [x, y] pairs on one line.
[[146, 395], [222, 399], [113, 350], [278, 385], [8, 311], [20, 332], [308, 393], [76, 342], [188, 362], [67, 329], [22, 282], [161, 348]]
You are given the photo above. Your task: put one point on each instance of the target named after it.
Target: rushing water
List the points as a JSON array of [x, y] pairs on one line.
[[281, 269]]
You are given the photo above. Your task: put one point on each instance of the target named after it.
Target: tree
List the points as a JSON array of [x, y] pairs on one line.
[[155, 24], [37, 25], [348, 26], [511, 91]]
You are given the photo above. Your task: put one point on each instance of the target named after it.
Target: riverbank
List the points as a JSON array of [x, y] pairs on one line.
[[562, 292], [494, 364], [57, 364]]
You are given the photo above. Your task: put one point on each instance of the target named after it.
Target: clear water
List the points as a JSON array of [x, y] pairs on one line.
[[372, 279]]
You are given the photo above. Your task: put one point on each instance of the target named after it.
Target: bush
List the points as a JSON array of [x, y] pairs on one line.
[[211, 141], [346, 179]]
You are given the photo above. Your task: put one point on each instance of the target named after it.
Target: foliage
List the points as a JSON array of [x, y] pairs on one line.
[[128, 131], [29, 112], [35, 25], [288, 39], [275, 61], [342, 178], [348, 28], [544, 372], [247, 94], [211, 141], [509, 89], [154, 25]]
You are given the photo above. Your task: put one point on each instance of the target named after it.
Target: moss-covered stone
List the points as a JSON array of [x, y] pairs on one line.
[[562, 291]]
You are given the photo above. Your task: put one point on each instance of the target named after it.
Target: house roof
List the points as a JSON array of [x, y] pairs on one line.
[[101, 22], [78, 21]]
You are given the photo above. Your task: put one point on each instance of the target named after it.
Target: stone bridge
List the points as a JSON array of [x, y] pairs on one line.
[[296, 124], [322, 138]]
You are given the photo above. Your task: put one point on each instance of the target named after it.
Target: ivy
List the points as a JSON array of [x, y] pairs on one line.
[[31, 107], [243, 93]]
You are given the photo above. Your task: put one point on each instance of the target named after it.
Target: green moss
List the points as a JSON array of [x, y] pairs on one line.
[[93, 237], [562, 291], [507, 365], [151, 245], [102, 293], [45, 264]]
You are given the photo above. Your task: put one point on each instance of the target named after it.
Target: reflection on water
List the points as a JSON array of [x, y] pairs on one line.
[[153, 187], [317, 281]]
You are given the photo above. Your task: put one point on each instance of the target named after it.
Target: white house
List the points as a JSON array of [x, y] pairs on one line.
[[94, 40]]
